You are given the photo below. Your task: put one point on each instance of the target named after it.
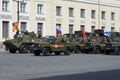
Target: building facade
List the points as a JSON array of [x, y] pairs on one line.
[[43, 16]]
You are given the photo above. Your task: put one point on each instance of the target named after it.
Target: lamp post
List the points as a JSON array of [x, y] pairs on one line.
[[18, 12], [18, 1], [98, 14]]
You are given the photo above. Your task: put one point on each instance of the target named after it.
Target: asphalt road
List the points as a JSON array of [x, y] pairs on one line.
[[27, 66]]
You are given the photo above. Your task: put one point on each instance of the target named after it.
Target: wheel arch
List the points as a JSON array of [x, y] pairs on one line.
[[48, 48]]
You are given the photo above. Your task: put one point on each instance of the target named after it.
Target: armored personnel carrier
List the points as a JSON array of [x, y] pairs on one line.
[[21, 42]]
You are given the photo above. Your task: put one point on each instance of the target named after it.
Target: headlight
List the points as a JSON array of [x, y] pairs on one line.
[[113, 45], [39, 45], [32, 45], [91, 44]]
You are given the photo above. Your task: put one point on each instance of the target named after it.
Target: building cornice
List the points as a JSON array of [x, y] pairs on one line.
[[96, 3]]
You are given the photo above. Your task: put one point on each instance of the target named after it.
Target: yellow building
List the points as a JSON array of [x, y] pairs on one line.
[[43, 16]]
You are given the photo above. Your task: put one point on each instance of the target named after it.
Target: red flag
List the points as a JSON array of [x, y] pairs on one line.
[[84, 35]]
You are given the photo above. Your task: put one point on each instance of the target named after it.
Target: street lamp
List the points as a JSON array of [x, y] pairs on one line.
[[98, 14], [18, 1]]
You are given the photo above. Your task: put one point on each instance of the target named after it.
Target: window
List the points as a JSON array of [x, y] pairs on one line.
[[58, 10], [40, 9], [112, 29], [103, 27], [40, 29], [71, 11], [112, 16], [23, 26], [82, 27], [5, 5], [23, 7], [103, 15], [82, 13], [92, 29], [71, 29], [93, 14], [5, 29]]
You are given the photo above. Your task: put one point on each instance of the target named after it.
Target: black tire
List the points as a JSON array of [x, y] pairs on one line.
[[12, 50], [117, 51], [86, 51], [107, 52], [76, 50], [57, 53], [82, 51], [46, 51], [31, 49], [23, 48], [36, 53], [96, 50], [67, 51]]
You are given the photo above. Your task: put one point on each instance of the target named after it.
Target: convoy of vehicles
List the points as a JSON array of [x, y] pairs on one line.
[[68, 43]]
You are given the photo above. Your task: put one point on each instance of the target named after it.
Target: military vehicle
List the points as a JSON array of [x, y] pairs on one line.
[[22, 42], [68, 37], [113, 46], [56, 46], [78, 46], [76, 40], [82, 43], [95, 42]]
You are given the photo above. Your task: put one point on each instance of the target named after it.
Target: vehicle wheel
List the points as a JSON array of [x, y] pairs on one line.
[[12, 50], [36, 53], [57, 53], [46, 52], [86, 51], [96, 50], [23, 48], [76, 50], [107, 52], [82, 51], [102, 51], [67, 51], [31, 49], [117, 51]]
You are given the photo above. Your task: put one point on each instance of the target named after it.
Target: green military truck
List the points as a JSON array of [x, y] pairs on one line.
[[56, 46], [95, 43], [91, 45], [113, 46]]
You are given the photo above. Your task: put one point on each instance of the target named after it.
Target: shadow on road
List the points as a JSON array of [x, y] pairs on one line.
[[102, 75]]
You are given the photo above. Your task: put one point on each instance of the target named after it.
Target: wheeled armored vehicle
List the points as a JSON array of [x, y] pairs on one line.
[[21, 42]]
